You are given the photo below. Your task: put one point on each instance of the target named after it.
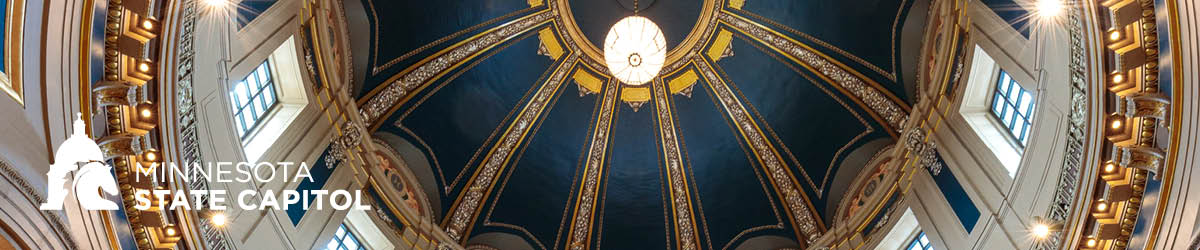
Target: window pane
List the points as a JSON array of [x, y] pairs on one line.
[[1013, 90], [262, 106], [920, 242], [269, 96], [241, 125], [263, 75], [253, 97], [344, 239], [247, 120], [1012, 106], [1026, 101], [235, 107], [258, 80], [997, 104], [1023, 131], [243, 94], [265, 70], [1003, 83], [1007, 117]]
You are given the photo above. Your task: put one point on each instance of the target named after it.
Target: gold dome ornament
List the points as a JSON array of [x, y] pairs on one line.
[[635, 50]]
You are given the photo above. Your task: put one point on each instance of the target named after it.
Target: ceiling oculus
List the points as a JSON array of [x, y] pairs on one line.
[[635, 50]]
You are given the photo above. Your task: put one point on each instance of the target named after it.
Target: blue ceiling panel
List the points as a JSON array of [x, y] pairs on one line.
[[456, 121], [1012, 13], [538, 192], [407, 31], [633, 212], [810, 122], [737, 201], [866, 29], [248, 10]]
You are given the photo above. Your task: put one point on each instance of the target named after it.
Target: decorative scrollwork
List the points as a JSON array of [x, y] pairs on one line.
[[189, 146], [876, 100], [926, 152], [351, 137], [1064, 194], [582, 223], [399, 88], [775, 168], [465, 212], [684, 221]]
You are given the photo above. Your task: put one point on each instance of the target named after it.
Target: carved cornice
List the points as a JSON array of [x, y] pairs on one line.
[[1076, 133], [401, 86], [56, 223], [879, 102], [581, 223], [685, 222], [782, 179], [916, 142], [189, 147], [467, 204], [1133, 39], [351, 137]]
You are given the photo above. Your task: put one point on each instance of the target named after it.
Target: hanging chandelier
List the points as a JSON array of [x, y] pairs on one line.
[[635, 50]]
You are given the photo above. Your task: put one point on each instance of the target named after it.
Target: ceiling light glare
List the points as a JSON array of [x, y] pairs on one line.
[[635, 50]]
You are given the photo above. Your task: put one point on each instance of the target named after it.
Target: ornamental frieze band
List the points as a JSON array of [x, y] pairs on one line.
[[399, 88], [784, 181], [877, 101], [684, 220], [466, 211], [581, 224]]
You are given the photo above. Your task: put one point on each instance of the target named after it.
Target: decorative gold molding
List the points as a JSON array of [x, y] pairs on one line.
[[1173, 140], [581, 223], [1132, 36], [635, 97], [466, 207], [681, 201], [376, 68], [880, 102], [721, 45], [831, 47], [785, 183], [10, 77], [683, 83], [737, 4], [587, 83], [850, 110], [549, 45], [399, 88]]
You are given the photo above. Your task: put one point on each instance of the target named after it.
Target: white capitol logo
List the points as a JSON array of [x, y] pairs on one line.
[[81, 155]]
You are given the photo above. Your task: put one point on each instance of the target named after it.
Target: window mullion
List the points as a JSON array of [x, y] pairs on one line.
[[250, 114]]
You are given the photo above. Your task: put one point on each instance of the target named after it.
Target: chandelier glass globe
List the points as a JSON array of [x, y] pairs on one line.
[[635, 50]]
